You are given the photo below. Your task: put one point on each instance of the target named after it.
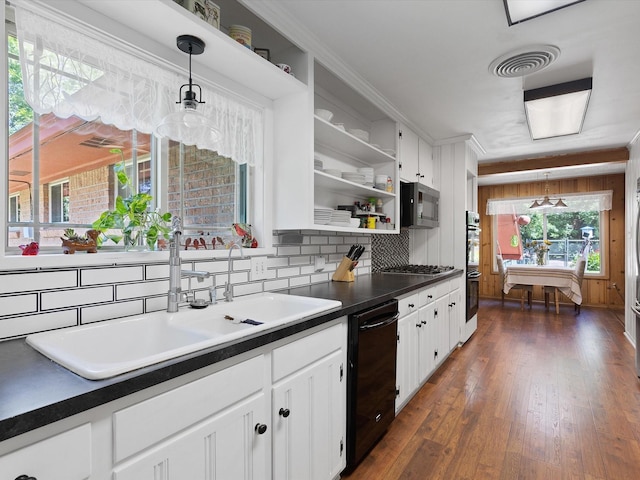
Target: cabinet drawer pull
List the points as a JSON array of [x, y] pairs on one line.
[[423, 322], [260, 428], [26, 477], [411, 305], [284, 412]]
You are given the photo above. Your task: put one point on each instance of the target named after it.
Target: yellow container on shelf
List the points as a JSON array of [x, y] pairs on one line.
[[371, 222], [241, 34]]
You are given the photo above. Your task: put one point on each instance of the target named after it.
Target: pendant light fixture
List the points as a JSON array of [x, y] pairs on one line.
[[546, 201], [187, 125]]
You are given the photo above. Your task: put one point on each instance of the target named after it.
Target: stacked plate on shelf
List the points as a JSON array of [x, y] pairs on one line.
[[340, 218], [368, 175], [322, 216], [333, 171], [354, 177]]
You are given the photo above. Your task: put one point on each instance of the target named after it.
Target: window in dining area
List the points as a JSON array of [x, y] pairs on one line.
[[553, 236]]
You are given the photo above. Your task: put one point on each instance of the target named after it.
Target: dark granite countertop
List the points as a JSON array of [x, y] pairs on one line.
[[34, 391]]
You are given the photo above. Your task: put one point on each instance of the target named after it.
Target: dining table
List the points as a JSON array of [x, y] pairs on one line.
[[564, 279]]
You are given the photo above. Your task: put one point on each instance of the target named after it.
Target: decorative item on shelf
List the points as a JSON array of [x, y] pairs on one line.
[[241, 34], [83, 243], [141, 227], [263, 52], [204, 9], [546, 201], [285, 68], [30, 250], [243, 230], [187, 125], [539, 249]]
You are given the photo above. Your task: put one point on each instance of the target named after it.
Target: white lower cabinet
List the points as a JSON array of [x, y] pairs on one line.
[[426, 336], [229, 445], [66, 456], [308, 438]]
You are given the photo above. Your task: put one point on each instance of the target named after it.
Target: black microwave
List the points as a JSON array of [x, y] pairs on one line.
[[419, 206]]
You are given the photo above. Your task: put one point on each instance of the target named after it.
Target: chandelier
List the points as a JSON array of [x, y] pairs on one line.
[[547, 202]]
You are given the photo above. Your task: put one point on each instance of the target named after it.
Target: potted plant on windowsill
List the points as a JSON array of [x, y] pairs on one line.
[[141, 227]]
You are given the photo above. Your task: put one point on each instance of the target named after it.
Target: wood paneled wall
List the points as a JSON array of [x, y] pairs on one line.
[[595, 291]]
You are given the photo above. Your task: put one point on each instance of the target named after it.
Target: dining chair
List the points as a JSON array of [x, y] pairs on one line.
[[518, 286], [580, 268]]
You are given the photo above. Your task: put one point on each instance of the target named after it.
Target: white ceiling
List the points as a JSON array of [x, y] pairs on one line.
[[430, 59]]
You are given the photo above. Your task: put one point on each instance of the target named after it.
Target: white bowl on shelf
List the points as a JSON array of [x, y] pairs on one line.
[[361, 134], [324, 114], [355, 222]]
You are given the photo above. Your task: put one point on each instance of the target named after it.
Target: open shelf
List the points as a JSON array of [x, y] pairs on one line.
[[328, 182], [335, 139]]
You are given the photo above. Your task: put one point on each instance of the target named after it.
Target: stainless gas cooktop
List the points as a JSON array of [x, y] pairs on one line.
[[417, 269]]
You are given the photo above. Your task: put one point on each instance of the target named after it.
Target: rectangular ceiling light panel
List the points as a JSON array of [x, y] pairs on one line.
[[557, 110], [521, 10]]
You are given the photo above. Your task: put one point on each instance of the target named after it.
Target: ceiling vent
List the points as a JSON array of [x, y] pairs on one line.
[[524, 61]]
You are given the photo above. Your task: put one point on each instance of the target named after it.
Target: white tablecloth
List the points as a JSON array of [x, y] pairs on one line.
[[564, 278]]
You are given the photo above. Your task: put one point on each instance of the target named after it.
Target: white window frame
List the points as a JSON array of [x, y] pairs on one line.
[[59, 183]]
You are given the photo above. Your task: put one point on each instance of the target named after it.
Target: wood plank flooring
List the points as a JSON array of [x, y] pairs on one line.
[[532, 395]]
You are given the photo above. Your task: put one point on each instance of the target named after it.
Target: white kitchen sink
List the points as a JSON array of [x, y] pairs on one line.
[[113, 347]]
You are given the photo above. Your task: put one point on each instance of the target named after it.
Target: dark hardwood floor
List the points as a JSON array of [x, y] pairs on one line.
[[532, 395]]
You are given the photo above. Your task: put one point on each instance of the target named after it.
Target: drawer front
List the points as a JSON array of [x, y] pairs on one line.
[[296, 355], [153, 420], [408, 304], [66, 456]]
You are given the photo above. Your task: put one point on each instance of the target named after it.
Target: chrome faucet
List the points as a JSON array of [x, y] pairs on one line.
[[228, 293], [175, 294]]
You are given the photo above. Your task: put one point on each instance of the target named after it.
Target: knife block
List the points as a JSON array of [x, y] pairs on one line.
[[344, 272]]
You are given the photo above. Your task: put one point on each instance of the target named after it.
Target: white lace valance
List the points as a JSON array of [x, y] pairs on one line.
[[70, 69], [576, 202]]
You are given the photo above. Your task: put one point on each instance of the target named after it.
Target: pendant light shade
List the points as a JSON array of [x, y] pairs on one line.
[[187, 125], [546, 201]]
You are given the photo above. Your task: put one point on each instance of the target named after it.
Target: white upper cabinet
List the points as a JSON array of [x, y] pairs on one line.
[[416, 158]]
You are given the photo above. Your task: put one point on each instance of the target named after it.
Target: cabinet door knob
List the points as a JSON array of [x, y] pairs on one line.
[[26, 477], [260, 428], [418, 325], [284, 412], [429, 296], [411, 305], [423, 322]]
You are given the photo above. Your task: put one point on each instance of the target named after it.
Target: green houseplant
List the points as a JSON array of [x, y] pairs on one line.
[[132, 215]]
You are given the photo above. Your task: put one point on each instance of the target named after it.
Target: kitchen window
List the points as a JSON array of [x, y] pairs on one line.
[[208, 190], [581, 228]]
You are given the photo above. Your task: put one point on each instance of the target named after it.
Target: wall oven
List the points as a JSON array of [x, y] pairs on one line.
[[473, 263]]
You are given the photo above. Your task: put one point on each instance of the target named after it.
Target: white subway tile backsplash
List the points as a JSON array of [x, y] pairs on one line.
[[143, 289], [18, 326], [155, 304], [310, 250], [76, 297], [98, 276], [288, 272], [119, 291], [319, 240], [320, 277], [30, 282], [302, 260], [299, 281], [111, 310], [247, 289], [287, 251], [156, 272], [276, 285], [18, 304], [326, 249], [275, 262]]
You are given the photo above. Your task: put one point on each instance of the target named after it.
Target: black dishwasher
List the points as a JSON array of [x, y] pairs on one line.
[[371, 379]]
